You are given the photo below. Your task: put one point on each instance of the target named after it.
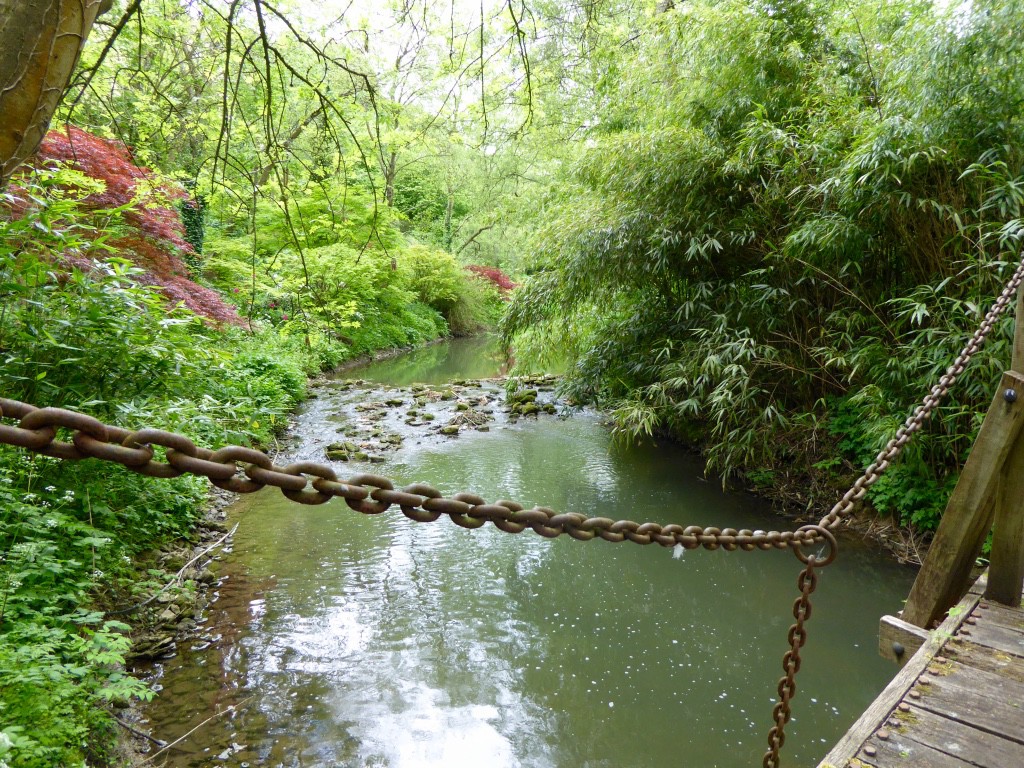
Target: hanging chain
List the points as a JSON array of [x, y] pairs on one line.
[[923, 412], [246, 470], [807, 582]]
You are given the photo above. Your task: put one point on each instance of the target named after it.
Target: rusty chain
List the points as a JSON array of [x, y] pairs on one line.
[[313, 483], [245, 470], [923, 412], [807, 582], [37, 430]]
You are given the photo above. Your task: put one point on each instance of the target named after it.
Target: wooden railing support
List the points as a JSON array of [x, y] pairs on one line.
[[1006, 565], [965, 524], [1006, 569], [990, 491]]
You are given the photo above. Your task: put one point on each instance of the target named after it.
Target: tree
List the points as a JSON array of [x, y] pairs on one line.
[[42, 42]]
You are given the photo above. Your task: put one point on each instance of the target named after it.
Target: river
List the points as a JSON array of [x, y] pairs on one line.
[[349, 640]]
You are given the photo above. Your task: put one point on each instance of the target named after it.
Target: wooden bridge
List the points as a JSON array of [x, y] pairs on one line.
[[959, 698]]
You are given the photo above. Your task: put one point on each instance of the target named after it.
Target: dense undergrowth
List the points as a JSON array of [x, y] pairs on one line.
[[90, 320], [789, 218]]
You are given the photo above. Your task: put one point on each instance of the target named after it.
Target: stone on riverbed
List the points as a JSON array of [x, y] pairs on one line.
[[152, 646], [469, 419], [450, 430], [522, 397]]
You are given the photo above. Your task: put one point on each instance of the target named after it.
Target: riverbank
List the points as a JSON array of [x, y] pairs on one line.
[[806, 496]]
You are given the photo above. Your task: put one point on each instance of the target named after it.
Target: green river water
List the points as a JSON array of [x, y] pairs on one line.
[[352, 640]]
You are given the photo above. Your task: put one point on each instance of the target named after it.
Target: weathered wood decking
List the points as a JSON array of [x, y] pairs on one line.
[[959, 701]]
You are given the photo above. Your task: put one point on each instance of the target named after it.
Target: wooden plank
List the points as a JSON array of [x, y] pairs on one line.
[[968, 516], [977, 699], [994, 614], [904, 751], [997, 637], [976, 747], [848, 746], [899, 640], [986, 659], [1006, 568]]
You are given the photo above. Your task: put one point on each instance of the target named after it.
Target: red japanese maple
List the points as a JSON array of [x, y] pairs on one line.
[[155, 237], [494, 275]]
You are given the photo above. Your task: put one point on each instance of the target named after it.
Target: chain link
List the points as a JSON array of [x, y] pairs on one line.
[[807, 582], [923, 412]]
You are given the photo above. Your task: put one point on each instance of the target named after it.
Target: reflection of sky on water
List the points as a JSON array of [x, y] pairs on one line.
[[425, 731]]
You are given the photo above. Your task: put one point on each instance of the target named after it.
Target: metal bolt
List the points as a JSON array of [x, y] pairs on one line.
[[899, 650], [1010, 395]]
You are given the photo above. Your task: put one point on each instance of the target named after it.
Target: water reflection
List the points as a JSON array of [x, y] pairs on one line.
[[475, 357], [375, 641]]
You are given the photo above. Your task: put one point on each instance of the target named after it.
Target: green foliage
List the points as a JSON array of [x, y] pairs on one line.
[[467, 303], [796, 223], [58, 658], [385, 293]]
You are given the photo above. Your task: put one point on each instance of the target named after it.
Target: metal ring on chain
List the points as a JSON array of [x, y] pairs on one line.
[[822, 533]]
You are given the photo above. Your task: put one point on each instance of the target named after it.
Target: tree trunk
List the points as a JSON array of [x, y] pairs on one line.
[[41, 43], [449, 234], [390, 171]]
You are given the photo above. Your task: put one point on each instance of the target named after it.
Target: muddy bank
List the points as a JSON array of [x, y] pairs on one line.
[[173, 614]]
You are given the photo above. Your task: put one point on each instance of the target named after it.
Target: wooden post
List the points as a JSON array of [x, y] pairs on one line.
[[946, 572], [898, 640], [1006, 571]]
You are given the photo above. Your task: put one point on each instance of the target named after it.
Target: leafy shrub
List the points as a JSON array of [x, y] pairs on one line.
[[59, 661], [149, 228], [89, 337]]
